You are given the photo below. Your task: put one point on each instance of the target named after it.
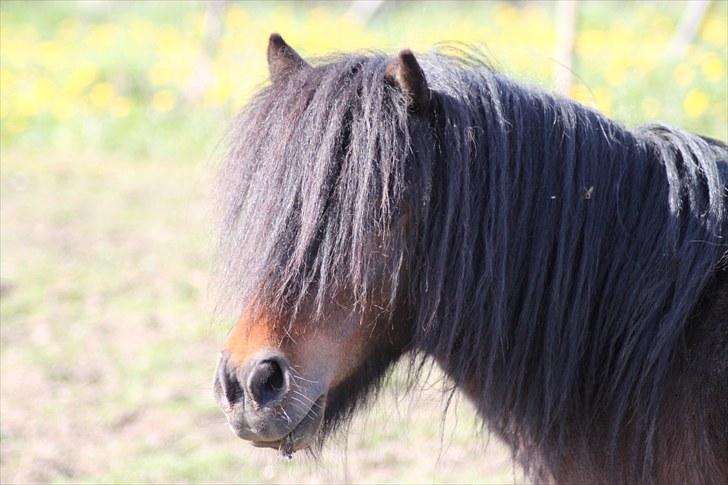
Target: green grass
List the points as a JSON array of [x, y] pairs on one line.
[[108, 348], [612, 74]]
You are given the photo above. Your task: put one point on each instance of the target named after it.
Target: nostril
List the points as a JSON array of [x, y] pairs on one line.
[[229, 383], [267, 381]]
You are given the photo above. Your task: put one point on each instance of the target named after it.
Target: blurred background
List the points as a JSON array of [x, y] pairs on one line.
[[111, 116]]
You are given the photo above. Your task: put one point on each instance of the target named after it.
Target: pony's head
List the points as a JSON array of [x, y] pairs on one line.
[[515, 237], [314, 249]]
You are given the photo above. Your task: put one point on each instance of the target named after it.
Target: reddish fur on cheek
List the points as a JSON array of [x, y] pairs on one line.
[[250, 336], [312, 353], [349, 355]]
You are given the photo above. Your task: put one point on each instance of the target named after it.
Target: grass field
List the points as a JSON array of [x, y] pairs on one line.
[[108, 350], [107, 342]]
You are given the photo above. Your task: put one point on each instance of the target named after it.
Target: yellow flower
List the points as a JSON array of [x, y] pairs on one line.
[[236, 18], [221, 89], [683, 74], [170, 41], [616, 72], [715, 31], [101, 95], [590, 42], [713, 69], [79, 79], [163, 101], [45, 91], [506, 15], [603, 101], [62, 108], [120, 107], [51, 54], [25, 105], [581, 93], [695, 103], [103, 36]]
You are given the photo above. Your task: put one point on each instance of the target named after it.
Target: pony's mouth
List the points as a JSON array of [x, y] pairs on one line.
[[303, 434]]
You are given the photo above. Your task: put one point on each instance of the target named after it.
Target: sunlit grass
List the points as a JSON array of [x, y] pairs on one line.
[[108, 347], [141, 79]]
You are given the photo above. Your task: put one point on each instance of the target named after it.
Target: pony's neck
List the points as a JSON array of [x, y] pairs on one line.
[[558, 246]]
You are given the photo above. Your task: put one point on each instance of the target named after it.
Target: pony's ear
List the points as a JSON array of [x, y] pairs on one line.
[[282, 59], [405, 73]]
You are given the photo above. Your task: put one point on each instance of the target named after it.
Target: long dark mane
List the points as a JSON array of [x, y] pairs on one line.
[[539, 245]]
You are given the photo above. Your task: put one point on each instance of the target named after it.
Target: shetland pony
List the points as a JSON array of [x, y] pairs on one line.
[[567, 274]]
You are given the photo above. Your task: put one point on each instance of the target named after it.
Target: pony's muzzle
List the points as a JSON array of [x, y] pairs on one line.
[[264, 381], [264, 405]]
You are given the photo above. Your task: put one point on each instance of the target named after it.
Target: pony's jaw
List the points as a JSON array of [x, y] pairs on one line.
[[287, 416], [303, 434]]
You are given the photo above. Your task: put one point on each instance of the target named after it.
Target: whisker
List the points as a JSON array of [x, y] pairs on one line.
[[309, 409], [305, 397], [298, 400], [303, 379]]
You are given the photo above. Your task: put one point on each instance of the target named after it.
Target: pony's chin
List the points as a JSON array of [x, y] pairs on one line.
[[303, 435]]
